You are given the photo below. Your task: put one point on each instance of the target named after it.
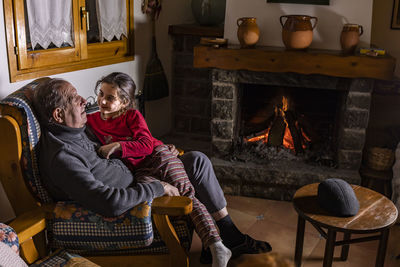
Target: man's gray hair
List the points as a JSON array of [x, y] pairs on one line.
[[48, 96]]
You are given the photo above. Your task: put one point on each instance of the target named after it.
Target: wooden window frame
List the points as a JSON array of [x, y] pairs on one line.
[[24, 65]]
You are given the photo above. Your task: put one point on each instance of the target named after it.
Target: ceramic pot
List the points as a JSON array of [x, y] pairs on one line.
[[248, 32], [297, 31], [209, 12], [350, 37]]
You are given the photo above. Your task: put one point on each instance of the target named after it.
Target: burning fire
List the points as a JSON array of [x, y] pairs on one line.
[[287, 141]]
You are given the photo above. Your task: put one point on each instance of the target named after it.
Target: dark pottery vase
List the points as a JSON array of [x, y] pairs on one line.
[[209, 12]]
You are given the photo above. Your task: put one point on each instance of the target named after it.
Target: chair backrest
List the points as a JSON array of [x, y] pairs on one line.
[[19, 136]]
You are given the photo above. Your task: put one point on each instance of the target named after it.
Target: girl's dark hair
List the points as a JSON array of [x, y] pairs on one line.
[[124, 82]]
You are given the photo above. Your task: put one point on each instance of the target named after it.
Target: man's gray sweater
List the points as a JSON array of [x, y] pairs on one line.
[[72, 170]]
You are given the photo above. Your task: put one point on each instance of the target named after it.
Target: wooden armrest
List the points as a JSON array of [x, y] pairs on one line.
[[181, 151], [29, 224], [173, 206]]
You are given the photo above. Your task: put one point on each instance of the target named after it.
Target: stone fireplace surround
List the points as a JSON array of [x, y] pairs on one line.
[[270, 66], [281, 180]]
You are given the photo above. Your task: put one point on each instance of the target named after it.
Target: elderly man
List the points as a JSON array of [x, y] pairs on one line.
[[72, 170]]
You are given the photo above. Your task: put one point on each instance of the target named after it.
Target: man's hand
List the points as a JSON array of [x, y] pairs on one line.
[[173, 149], [170, 190], [107, 150]]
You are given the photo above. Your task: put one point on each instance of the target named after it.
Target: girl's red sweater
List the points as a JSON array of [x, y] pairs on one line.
[[130, 130]]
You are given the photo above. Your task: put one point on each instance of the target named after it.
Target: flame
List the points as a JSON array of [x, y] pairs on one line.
[[285, 103], [287, 141], [280, 110], [259, 137]]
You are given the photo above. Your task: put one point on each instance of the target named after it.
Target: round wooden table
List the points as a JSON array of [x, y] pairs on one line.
[[377, 213]]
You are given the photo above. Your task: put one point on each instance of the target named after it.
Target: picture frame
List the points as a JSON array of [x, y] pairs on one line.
[[305, 2], [395, 16]]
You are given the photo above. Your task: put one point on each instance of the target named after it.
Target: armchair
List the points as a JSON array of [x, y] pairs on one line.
[[9, 247], [125, 240]]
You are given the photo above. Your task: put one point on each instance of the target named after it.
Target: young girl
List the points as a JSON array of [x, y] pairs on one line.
[[123, 132]]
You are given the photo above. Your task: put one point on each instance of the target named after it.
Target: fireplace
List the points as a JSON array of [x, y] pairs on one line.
[[329, 115], [322, 96], [288, 122]]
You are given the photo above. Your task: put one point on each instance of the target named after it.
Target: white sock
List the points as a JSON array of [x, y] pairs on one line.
[[220, 254]]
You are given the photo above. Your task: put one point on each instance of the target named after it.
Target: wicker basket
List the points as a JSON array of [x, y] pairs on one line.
[[380, 159]]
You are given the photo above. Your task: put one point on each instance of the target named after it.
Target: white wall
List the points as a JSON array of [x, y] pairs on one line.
[[382, 35], [158, 113], [327, 32], [173, 12]]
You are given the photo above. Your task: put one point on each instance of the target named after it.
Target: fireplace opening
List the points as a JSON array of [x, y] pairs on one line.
[[332, 111], [288, 123], [284, 127]]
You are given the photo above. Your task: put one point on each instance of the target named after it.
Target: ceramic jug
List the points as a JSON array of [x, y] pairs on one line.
[[248, 32], [297, 31], [209, 12], [350, 37]]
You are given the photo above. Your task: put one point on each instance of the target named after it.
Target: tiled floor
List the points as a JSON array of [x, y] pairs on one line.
[[276, 222]]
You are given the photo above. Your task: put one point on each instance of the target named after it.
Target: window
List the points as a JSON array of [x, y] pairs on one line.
[[66, 35]]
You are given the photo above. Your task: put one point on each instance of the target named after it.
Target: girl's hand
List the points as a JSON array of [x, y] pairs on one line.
[[107, 150], [173, 149], [170, 190]]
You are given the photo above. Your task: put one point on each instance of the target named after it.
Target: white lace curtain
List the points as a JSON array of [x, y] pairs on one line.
[[50, 21], [111, 16]]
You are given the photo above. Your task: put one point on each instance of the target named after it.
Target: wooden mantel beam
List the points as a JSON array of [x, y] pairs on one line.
[[270, 59]]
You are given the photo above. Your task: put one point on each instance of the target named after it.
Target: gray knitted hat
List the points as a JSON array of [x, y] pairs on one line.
[[337, 197]]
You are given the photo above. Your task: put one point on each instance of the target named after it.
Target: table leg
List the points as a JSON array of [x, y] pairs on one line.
[[386, 188], [299, 241], [329, 248], [380, 258], [345, 248]]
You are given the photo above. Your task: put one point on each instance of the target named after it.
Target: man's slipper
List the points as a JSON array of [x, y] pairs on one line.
[[250, 246], [205, 256]]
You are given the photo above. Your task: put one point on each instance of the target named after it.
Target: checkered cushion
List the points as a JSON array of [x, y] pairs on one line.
[[183, 228], [73, 226], [64, 258]]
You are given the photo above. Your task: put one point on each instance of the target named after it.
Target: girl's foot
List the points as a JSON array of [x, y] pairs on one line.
[[220, 254], [248, 246]]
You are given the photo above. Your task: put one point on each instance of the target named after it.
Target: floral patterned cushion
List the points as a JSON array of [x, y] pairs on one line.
[[9, 237]]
